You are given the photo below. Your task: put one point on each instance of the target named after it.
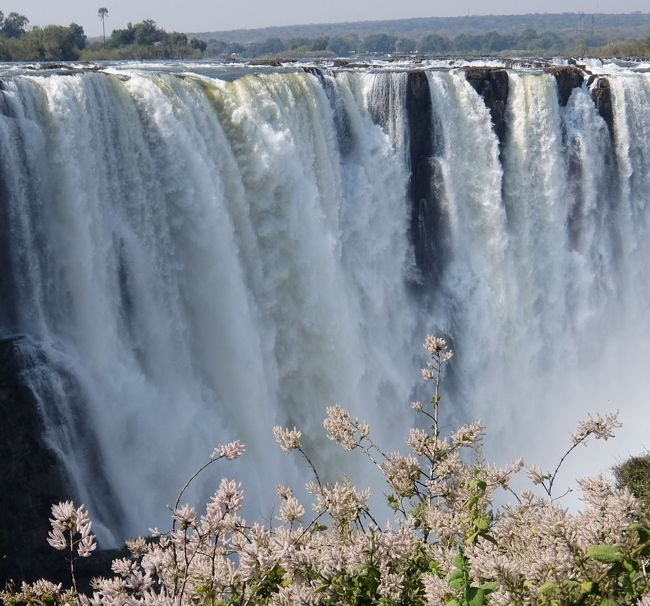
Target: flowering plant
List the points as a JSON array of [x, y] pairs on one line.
[[448, 543]]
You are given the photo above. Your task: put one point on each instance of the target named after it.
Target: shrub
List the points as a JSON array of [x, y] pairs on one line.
[[634, 474], [447, 543]]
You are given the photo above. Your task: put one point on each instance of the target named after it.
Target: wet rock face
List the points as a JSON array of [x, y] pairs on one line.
[[493, 85], [31, 477], [602, 96], [567, 77], [31, 480], [421, 190]]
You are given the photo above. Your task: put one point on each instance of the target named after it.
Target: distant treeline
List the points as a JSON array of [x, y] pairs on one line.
[[610, 26], [145, 40], [489, 43]]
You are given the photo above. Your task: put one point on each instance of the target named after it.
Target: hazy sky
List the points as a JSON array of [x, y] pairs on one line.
[[212, 15]]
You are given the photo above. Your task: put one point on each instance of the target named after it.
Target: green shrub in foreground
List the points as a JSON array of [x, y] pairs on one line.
[[447, 542]]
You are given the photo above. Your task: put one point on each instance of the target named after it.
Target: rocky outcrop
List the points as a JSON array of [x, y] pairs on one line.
[[32, 478], [424, 216], [601, 93], [567, 77], [493, 85]]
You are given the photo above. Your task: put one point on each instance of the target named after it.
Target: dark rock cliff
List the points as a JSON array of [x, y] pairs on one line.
[[32, 478], [493, 85], [426, 216], [567, 77], [601, 93]]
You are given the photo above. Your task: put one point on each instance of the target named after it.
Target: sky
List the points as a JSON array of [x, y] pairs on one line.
[[215, 15]]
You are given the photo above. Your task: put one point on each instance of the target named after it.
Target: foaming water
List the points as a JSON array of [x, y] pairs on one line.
[[210, 266]]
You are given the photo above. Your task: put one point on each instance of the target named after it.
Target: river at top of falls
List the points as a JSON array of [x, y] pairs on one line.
[[204, 251]]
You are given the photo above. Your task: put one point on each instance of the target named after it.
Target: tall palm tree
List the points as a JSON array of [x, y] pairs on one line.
[[102, 14]]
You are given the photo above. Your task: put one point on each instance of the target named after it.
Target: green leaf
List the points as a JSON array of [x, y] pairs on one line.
[[604, 553], [608, 602], [482, 523], [453, 603], [475, 596], [488, 586], [641, 530], [434, 566], [587, 586], [457, 574], [548, 587], [459, 561], [480, 484]]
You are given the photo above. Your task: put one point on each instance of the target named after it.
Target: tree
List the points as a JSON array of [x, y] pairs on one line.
[[379, 43], [102, 13], [434, 43], [147, 32], [199, 45], [294, 43], [405, 45], [340, 46], [14, 25], [320, 43], [176, 39], [122, 37], [51, 43], [78, 36]]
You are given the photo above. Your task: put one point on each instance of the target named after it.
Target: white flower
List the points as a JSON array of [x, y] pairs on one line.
[[288, 439], [467, 435], [71, 528], [536, 475], [434, 344], [186, 516], [229, 451], [342, 429], [601, 427]]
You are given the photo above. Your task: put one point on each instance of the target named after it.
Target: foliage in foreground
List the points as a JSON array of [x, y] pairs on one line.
[[634, 474], [448, 542]]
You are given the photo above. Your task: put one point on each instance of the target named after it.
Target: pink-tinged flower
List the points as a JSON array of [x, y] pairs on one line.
[[601, 427], [288, 439], [71, 529], [229, 451], [342, 429]]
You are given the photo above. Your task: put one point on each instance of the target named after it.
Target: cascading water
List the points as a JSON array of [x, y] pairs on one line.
[[198, 258], [205, 264]]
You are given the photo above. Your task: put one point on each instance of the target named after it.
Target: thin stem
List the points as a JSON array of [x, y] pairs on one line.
[[313, 468], [549, 488]]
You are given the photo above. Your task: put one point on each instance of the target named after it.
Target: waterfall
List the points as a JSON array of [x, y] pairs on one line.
[[203, 262], [196, 255]]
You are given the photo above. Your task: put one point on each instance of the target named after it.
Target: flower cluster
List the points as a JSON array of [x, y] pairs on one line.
[[288, 439], [600, 426], [71, 529], [342, 428]]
